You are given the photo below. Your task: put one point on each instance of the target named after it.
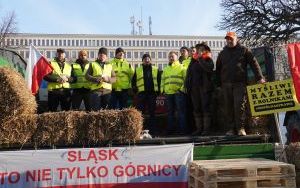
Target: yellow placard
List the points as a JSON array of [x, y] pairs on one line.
[[272, 97]]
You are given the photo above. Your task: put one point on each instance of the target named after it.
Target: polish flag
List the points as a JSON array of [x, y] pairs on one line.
[[294, 61], [37, 67]]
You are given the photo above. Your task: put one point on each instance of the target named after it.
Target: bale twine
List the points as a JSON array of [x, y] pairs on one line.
[[18, 130], [15, 97]]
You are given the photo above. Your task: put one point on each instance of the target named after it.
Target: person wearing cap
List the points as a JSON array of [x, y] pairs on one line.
[[199, 87], [124, 73], [59, 92], [231, 77], [172, 85], [145, 83], [81, 87], [101, 75]]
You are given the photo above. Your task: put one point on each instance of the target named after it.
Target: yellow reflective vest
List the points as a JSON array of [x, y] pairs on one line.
[[172, 78], [80, 74], [140, 78], [98, 71], [124, 74], [185, 64], [58, 72]]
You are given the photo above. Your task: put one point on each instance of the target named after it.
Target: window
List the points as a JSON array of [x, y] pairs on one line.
[[153, 43], [73, 54], [184, 43], [164, 55], [48, 54], [141, 54], [85, 42], [133, 43], [169, 43], [136, 55], [98, 42], [92, 55], [165, 43], [93, 43], [67, 54], [118, 42], [27, 54], [102, 43], [53, 54], [137, 43], [125, 43], [142, 43], [109, 42], [105, 43], [26, 42], [214, 44], [161, 43], [173, 43], [145, 43], [69, 43], [111, 54], [81, 42], [176, 43], [129, 42], [159, 55], [128, 55], [157, 43], [180, 43], [114, 43], [122, 44], [153, 55], [34, 42]]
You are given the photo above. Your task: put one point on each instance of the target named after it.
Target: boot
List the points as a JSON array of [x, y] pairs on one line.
[[206, 125], [199, 126]]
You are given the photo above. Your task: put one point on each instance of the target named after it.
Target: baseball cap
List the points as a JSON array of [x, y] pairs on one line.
[[230, 34]]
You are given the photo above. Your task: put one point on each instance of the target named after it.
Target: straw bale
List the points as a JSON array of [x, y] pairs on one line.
[[56, 128], [15, 97], [18, 130], [114, 125]]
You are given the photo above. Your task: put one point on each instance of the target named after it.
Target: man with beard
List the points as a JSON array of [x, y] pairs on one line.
[[231, 75], [59, 80], [81, 86], [101, 74]]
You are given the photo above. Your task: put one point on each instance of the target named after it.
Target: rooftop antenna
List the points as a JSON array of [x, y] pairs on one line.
[[132, 21], [150, 25], [140, 23]]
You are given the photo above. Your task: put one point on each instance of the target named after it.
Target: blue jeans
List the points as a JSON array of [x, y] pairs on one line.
[[99, 101], [119, 99], [176, 103]]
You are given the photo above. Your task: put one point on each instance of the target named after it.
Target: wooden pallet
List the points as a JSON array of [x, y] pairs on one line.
[[240, 170], [268, 183]]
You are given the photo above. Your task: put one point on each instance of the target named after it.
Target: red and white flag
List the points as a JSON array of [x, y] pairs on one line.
[[294, 61], [37, 67]]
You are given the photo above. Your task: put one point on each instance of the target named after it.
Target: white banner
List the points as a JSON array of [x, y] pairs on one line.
[[137, 166]]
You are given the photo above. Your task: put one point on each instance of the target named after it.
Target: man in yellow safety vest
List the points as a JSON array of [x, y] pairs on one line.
[[59, 80], [102, 76]]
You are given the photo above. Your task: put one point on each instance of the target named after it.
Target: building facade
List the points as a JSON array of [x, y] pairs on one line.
[[158, 46]]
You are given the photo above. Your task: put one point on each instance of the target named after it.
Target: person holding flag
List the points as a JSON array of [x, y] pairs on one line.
[[59, 80]]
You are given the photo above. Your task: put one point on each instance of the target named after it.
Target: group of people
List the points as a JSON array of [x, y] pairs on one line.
[[187, 81]]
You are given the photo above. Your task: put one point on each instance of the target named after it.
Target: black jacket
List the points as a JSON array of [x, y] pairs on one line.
[[232, 65], [199, 74]]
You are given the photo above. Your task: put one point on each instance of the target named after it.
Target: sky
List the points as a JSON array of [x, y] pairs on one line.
[[169, 17]]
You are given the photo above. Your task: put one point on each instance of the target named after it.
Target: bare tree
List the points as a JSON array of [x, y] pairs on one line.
[[262, 21], [7, 26]]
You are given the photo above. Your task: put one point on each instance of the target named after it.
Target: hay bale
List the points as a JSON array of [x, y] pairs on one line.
[[15, 97], [81, 128], [56, 128], [114, 125], [18, 130]]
